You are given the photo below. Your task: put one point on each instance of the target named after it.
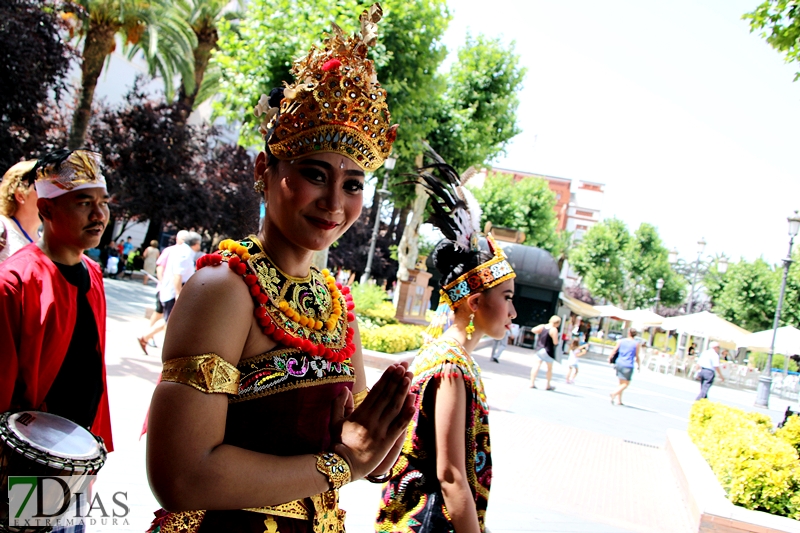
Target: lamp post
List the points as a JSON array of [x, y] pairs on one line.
[[659, 286], [701, 245], [388, 165], [765, 380], [672, 256]]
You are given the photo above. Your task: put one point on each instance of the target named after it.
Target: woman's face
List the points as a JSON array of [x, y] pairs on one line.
[[312, 200], [495, 310]]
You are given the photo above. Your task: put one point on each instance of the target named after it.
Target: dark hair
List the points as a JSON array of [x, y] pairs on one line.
[[54, 158], [632, 332], [275, 97], [453, 261]]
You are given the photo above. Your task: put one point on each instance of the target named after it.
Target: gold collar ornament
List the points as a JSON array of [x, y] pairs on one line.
[[336, 103], [311, 314]]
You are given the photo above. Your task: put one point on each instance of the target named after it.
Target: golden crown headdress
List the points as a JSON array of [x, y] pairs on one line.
[[336, 103], [79, 170]]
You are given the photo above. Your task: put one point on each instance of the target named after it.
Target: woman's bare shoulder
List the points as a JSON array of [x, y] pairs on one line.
[[213, 314]]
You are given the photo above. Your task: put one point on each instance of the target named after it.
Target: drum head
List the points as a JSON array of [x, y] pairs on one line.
[[54, 435]]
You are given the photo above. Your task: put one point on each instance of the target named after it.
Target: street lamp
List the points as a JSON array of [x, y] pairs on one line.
[[701, 245], [659, 286], [765, 380], [672, 256], [388, 165]]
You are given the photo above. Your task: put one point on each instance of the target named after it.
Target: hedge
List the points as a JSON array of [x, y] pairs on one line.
[[393, 338], [758, 469]]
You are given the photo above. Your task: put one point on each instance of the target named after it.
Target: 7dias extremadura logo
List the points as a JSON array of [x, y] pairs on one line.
[[50, 501]]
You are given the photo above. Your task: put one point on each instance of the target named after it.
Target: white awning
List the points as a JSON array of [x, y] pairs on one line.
[[787, 340]]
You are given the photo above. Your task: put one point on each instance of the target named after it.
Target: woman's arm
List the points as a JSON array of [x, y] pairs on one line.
[[450, 421], [189, 467]]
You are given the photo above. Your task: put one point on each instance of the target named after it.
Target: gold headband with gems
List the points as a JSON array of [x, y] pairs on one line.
[[81, 170], [336, 103], [482, 277]]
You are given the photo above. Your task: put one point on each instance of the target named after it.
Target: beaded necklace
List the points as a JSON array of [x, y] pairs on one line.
[[311, 313]]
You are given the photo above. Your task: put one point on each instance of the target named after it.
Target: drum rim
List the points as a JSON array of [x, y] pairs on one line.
[[31, 451]]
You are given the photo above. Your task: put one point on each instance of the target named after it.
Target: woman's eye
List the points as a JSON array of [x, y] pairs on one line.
[[353, 186], [313, 175]]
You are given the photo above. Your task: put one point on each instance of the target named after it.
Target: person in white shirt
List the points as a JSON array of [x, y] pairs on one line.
[[178, 270], [19, 216], [709, 369]]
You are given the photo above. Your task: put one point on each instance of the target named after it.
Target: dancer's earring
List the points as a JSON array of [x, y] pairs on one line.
[[470, 326], [259, 186]]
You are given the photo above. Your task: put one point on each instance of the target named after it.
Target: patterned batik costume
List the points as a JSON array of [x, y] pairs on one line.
[[412, 499], [284, 397]]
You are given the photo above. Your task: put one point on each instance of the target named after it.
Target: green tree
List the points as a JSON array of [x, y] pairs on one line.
[[477, 115], [790, 314], [749, 295], [149, 26], [624, 268], [779, 23], [526, 205], [204, 17]]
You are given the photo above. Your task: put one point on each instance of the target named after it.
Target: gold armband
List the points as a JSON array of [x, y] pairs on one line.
[[335, 468], [207, 373], [358, 397]]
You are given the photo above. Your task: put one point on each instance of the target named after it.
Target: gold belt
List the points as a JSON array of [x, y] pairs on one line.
[[324, 511]]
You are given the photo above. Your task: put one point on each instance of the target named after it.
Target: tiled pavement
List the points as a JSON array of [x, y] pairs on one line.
[[552, 474]]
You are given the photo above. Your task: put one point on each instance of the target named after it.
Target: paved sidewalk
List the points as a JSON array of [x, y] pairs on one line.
[[561, 460]]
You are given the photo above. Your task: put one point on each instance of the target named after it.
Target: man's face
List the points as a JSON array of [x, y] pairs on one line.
[[78, 218]]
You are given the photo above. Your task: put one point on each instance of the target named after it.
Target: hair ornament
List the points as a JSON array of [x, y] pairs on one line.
[[335, 104], [457, 215]]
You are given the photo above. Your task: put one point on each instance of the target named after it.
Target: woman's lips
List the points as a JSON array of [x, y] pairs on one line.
[[323, 223]]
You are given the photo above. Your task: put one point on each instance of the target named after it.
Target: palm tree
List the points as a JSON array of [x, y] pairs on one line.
[[204, 17], [149, 26]]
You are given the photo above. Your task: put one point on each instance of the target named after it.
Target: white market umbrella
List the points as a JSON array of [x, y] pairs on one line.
[[706, 325], [787, 340], [642, 318]]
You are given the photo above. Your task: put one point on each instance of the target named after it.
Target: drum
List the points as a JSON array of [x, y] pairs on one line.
[[34, 443]]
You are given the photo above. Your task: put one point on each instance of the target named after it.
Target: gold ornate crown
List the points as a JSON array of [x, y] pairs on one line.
[[336, 103]]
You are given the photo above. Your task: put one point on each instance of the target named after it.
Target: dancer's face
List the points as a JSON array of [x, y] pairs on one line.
[[76, 219], [312, 200], [495, 310]]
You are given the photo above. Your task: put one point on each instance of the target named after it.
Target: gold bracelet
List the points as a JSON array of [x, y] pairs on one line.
[[358, 397], [207, 373], [335, 468]]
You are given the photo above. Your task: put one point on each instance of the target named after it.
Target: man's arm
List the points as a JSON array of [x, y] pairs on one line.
[[9, 340]]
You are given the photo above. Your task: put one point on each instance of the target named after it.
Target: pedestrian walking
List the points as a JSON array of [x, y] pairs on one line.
[[179, 268], [546, 349], [499, 346], [709, 369], [575, 351], [150, 257], [19, 216], [624, 356], [53, 329], [253, 426], [442, 480]]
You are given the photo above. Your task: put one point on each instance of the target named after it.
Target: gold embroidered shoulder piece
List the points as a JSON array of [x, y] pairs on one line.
[[207, 373]]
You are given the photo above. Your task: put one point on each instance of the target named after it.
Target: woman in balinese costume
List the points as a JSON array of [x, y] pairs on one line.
[[256, 422], [441, 481]]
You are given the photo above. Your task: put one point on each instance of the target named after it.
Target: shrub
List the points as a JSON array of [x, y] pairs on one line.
[[367, 296], [790, 432], [392, 338], [759, 360], [380, 315], [758, 469], [607, 342]]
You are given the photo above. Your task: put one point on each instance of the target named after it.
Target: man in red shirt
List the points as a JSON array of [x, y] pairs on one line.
[[52, 334]]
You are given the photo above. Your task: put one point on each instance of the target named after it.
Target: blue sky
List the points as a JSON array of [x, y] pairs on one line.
[[689, 119]]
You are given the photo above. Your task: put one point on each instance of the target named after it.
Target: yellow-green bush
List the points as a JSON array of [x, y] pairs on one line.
[[758, 469], [607, 342], [790, 432], [380, 315], [392, 338]]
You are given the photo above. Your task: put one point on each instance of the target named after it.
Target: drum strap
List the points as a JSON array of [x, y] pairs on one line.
[[207, 373]]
